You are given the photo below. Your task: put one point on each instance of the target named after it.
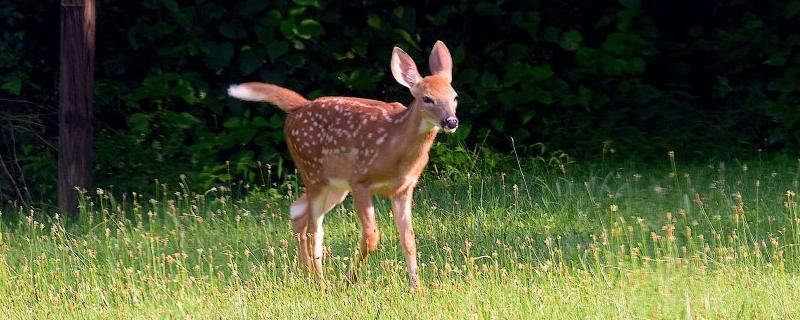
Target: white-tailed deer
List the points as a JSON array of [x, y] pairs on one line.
[[346, 144]]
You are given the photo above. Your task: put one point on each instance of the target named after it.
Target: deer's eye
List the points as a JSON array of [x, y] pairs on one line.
[[427, 99]]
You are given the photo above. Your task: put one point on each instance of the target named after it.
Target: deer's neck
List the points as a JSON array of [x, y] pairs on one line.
[[415, 135]]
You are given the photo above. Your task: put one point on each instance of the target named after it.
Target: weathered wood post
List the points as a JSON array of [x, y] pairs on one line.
[[75, 101]]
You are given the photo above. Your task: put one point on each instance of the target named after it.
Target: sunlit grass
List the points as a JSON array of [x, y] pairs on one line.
[[713, 241]]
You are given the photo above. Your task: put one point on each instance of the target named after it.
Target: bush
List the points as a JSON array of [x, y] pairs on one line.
[[637, 78]]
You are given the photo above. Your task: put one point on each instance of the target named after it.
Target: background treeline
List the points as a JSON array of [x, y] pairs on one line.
[[594, 79]]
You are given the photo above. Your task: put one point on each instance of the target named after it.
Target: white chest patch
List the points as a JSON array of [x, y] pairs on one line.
[[428, 125]]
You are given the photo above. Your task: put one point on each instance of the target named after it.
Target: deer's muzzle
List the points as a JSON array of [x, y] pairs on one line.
[[450, 124]]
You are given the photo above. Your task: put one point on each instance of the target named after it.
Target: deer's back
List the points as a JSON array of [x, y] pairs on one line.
[[338, 136]]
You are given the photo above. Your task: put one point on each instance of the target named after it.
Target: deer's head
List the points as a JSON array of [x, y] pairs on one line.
[[434, 94]]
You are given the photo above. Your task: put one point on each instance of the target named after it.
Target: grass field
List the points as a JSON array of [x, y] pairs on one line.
[[659, 241]]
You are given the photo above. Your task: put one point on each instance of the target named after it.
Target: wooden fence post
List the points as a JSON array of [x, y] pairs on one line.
[[75, 101]]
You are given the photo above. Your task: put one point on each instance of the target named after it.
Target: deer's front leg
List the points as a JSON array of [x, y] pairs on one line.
[[401, 209]]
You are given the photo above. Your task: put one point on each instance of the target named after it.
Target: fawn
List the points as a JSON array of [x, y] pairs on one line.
[[363, 146]]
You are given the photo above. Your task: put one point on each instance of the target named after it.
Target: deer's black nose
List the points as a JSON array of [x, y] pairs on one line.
[[450, 123]]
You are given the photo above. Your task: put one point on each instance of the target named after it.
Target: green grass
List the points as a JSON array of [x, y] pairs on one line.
[[717, 241]]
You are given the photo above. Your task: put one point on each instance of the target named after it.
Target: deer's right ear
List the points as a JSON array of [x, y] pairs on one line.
[[404, 69]]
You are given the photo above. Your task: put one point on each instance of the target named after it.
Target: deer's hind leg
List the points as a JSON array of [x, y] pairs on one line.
[[298, 212], [362, 201], [308, 213]]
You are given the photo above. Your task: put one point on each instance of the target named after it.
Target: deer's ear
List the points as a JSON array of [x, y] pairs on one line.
[[440, 62], [404, 69]]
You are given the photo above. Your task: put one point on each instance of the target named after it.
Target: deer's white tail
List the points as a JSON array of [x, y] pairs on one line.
[[285, 99]]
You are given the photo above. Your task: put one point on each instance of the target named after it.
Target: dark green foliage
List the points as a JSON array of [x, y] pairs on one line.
[[587, 77]]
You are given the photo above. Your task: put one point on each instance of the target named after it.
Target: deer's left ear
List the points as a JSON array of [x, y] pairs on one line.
[[440, 62]]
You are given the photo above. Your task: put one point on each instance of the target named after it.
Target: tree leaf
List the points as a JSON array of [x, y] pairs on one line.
[[542, 72], [309, 28], [776, 59], [489, 80], [13, 85], [498, 124], [571, 40], [139, 123], [542, 96], [288, 28], [488, 9], [631, 4], [789, 82], [311, 3], [276, 49], [250, 59], [219, 55], [792, 8], [259, 122], [229, 30], [232, 122], [375, 22], [182, 88]]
